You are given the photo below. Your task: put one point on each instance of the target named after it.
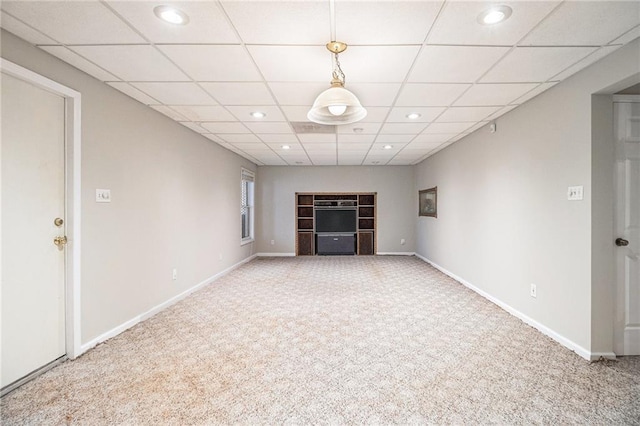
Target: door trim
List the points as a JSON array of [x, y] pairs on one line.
[[73, 198]]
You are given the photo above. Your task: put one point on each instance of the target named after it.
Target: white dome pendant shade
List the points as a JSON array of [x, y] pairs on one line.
[[336, 105]]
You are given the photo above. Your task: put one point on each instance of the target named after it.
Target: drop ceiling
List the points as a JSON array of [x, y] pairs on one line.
[[237, 57]]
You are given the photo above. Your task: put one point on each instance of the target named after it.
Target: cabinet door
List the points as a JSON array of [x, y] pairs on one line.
[[365, 243], [305, 243]]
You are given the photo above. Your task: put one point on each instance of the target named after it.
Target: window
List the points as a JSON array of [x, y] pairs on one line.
[[246, 205]]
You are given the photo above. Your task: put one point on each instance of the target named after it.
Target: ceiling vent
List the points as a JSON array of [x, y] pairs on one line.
[[305, 127]]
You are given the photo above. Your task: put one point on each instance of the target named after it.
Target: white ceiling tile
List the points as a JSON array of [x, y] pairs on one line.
[[382, 138], [375, 94], [169, 112], [23, 30], [385, 22], [460, 114], [454, 64], [359, 128], [236, 138], [431, 138], [595, 56], [589, 23], [194, 126], [535, 64], [79, 62], [628, 36], [273, 161], [269, 127], [385, 64], [420, 146], [181, 93], [316, 149], [66, 21], [402, 128], [204, 113], [251, 147], [280, 22], [457, 23], [216, 139], [380, 147], [494, 94], [243, 113], [297, 93], [533, 93], [425, 94], [296, 113], [228, 127], [276, 138], [427, 114], [239, 93], [132, 63], [374, 115], [317, 138], [347, 139], [328, 161], [299, 162], [447, 128], [213, 62], [131, 91], [207, 23], [293, 63], [354, 147], [501, 112]]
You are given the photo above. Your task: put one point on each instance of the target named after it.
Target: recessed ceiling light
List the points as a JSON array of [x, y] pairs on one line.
[[258, 114], [286, 147], [413, 116], [387, 146], [171, 15], [494, 15]]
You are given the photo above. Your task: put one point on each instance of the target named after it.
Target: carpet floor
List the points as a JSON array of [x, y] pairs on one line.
[[331, 340]]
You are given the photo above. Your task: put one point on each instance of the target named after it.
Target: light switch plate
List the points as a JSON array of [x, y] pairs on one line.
[[103, 195], [575, 193]]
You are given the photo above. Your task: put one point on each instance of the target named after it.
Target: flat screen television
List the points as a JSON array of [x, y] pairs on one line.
[[335, 220]]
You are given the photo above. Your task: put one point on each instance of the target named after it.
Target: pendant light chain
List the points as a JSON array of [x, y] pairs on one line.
[[337, 71]]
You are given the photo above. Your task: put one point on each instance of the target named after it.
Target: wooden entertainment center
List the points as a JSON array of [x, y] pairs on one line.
[[335, 223]]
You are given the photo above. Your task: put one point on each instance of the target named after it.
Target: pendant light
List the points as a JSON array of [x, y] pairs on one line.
[[336, 105]]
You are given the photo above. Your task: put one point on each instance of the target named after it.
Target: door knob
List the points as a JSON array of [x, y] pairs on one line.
[[60, 241], [621, 242], [58, 222]]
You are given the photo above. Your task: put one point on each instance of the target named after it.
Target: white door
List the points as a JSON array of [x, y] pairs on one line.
[[627, 137], [33, 287]]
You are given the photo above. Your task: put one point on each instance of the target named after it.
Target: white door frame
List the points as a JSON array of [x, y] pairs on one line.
[[72, 196]]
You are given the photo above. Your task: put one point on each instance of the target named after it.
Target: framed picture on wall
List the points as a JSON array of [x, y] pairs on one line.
[[428, 202]]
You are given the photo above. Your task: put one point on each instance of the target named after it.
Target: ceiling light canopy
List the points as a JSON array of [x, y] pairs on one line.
[[494, 15], [171, 15], [336, 105]]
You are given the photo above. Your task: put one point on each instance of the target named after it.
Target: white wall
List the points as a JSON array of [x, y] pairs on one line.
[[275, 196], [504, 221], [176, 199]]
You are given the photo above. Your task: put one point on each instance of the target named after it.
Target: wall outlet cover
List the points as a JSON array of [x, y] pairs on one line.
[[103, 195], [575, 193]]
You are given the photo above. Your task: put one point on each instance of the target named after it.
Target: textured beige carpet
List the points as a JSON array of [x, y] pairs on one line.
[[331, 340]]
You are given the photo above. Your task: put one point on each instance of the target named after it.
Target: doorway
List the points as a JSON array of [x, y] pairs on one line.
[[627, 224], [40, 224]]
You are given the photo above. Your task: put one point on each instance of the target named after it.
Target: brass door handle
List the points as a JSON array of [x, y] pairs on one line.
[[60, 241], [621, 242]]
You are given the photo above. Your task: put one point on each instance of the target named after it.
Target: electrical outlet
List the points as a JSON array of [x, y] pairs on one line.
[[175, 274], [103, 195], [533, 291], [575, 193], [402, 241], [273, 242]]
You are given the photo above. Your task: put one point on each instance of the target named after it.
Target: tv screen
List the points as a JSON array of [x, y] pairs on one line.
[[334, 220]]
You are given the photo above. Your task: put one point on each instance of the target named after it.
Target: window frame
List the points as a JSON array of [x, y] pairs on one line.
[[248, 178]]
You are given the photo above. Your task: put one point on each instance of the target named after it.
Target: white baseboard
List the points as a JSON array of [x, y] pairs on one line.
[[151, 312], [395, 253], [584, 353], [275, 254]]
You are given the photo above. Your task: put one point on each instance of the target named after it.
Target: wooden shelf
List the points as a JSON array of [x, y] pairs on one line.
[[365, 205]]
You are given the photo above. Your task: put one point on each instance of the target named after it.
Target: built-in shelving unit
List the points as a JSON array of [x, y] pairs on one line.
[[360, 239]]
